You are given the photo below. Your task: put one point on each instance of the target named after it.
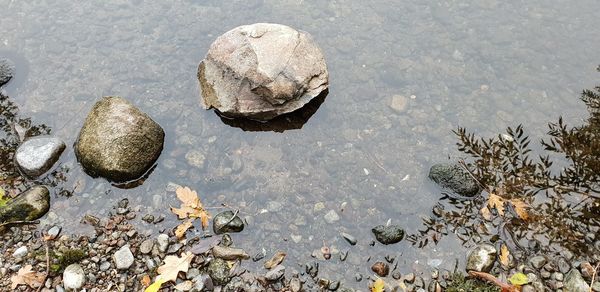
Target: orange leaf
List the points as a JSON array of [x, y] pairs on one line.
[[497, 202], [182, 228], [188, 197], [520, 208], [485, 212], [504, 254], [146, 281]]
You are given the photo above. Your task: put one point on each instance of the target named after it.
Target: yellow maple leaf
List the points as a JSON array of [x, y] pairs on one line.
[[378, 285], [188, 197], [504, 254], [173, 265], [520, 208], [156, 285], [496, 202], [28, 277], [182, 228], [191, 207]]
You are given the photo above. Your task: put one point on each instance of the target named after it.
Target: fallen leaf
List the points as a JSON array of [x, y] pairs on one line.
[[28, 277], [146, 281], [520, 208], [156, 285], [378, 285], [182, 228], [191, 207], [485, 212], [518, 279], [205, 244], [275, 260], [3, 200], [496, 202], [173, 265], [504, 254]]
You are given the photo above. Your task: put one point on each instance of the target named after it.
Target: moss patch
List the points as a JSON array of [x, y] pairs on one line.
[[459, 283]]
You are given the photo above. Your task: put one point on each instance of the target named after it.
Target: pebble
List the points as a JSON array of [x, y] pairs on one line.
[[349, 238], [381, 269], [146, 246], [163, 242], [73, 277], [389, 234], [123, 258], [20, 252], [276, 273], [481, 258], [396, 275], [54, 231], [223, 223], [229, 253], [104, 266], [398, 103], [331, 217], [537, 262], [295, 285]]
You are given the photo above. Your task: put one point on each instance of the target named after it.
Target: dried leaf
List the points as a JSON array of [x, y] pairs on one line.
[[485, 212], [504, 255], [191, 207], [275, 260], [28, 277], [173, 265], [520, 208], [3, 200], [518, 279], [378, 285], [145, 281], [182, 228], [156, 285], [188, 197], [205, 245], [496, 202]]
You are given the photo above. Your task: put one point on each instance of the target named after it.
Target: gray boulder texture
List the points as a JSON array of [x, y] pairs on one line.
[[453, 177], [37, 155], [118, 141], [262, 70], [29, 205]]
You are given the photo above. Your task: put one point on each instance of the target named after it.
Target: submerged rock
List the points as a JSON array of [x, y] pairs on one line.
[[37, 155], [223, 223], [7, 70], [481, 258], [118, 141], [388, 234], [454, 178], [30, 205], [262, 70]]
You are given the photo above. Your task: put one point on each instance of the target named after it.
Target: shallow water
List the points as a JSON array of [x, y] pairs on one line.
[[484, 66]]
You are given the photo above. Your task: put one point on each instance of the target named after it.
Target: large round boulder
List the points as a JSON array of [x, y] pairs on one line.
[[118, 141], [262, 70]]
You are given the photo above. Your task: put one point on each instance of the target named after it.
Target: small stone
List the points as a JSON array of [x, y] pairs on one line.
[[123, 258], [349, 238], [7, 70], [223, 223], [574, 282], [596, 286], [37, 155], [163, 242], [228, 253], [218, 269], [73, 277], [481, 259], [388, 234], [195, 158], [331, 217], [20, 252], [276, 273], [343, 255], [409, 278], [558, 276], [380, 268], [123, 203], [358, 277], [173, 248], [203, 283], [318, 207], [295, 285], [104, 266], [396, 275], [398, 103], [537, 262], [54, 231], [146, 246], [148, 218], [453, 177], [192, 273]]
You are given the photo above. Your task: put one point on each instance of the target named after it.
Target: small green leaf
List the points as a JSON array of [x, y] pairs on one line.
[[518, 279], [2, 199]]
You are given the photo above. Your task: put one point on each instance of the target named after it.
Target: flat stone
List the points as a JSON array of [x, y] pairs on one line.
[[331, 217], [37, 155], [349, 238], [73, 277], [481, 258], [229, 253], [262, 70], [276, 273], [388, 234], [537, 262], [123, 258], [146, 246], [20, 252]]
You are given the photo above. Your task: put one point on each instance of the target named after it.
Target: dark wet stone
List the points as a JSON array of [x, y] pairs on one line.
[[453, 177], [7, 70], [29, 205], [222, 223], [481, 258], [118, 141], [388, 234], [218, 271], [381, 269], [349, 238], [37, 155]]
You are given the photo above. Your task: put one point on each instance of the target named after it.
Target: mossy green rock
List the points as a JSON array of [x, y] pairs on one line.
[[29, 205], [218, 270], [118, 141], [453, 177]]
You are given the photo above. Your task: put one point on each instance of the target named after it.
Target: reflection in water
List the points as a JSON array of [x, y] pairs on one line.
[[289, 121], [14, 129], [543, 209]]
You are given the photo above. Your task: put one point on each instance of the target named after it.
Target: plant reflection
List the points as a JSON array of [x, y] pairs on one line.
[[563, 201]]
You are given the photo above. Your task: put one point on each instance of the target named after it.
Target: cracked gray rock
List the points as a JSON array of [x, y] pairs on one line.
[[262, 70]]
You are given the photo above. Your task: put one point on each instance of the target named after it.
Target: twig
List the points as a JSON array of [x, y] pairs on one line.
[[594, 276], [47, 265], [487, 277]]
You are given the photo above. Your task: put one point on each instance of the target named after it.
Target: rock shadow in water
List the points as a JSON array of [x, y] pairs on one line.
[[290, 121]]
